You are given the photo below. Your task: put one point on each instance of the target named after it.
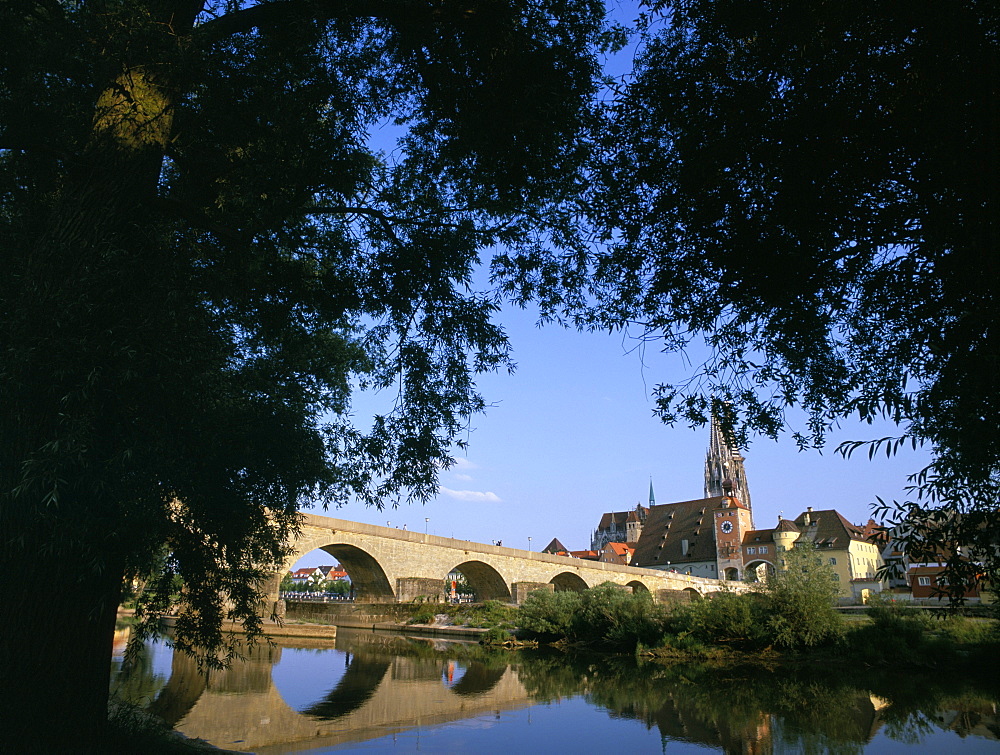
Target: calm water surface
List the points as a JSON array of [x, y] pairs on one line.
[[387, 693]]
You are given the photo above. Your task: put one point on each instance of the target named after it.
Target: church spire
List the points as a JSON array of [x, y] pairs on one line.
[[652, 499], [724, 473]]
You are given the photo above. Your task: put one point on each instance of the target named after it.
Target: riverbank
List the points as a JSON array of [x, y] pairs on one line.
[[300, 629]]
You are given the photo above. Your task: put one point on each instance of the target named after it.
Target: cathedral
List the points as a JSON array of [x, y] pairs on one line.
[[704, 537], [715, 537], [701, 537]]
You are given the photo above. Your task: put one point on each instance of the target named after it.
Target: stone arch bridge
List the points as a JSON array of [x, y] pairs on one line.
[[388, 565]]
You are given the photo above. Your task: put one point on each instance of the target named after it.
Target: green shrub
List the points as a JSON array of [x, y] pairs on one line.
[[725, 617], [799, 601], [617, 618], [495, 636], [965, 631], [492, 613], [605, 615], [896, 622], [549, 615], [422, 615]]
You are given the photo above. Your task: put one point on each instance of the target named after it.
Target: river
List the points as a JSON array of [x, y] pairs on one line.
[[375, 692]]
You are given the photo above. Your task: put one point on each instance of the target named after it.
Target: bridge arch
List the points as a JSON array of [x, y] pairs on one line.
[[569, 581], [478, 679], [693, 594], [758, 571], [637, 586], [368, 578], [363, 677], [486, 582]]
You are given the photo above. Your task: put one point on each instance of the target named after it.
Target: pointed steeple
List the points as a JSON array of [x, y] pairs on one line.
[[724, 473], [652, 498]]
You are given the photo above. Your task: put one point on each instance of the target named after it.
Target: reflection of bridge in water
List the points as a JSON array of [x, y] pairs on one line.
[[376, 695]]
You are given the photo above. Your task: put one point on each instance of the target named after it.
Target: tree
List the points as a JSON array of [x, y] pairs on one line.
[[205, 255], [812, 188], [800, 600]]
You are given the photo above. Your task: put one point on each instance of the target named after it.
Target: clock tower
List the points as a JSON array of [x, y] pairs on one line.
[[731, 519]]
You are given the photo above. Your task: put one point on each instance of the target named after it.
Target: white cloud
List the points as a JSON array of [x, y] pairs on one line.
[[470, 495], [461, 463], [462, 477]]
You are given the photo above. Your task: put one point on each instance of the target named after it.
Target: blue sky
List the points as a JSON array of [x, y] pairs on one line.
[[572, 434]]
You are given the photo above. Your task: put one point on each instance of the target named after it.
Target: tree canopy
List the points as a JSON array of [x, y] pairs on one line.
[[812, 189], [206, 253]]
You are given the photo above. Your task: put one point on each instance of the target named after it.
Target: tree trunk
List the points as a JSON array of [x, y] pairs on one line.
[[70, 337], [58, 628]]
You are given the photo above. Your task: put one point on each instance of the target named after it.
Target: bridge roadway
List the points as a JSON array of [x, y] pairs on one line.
[[388, 565]]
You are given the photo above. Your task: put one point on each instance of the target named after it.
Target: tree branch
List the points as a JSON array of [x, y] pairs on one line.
[[271, 15], [387, 220]]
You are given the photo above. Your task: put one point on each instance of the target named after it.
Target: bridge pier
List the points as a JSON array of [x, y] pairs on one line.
[[409, 589], [675, 596], [520, 590]]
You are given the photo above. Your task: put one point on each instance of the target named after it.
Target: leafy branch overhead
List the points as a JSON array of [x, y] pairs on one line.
[[806, 195]]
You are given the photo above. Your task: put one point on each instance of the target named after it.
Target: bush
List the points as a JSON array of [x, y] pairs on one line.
[[724, 617], [495, 636], [549, 615], [492, 613], [895, 635], [605, 615], [619, 619], [799, 601], [896, 621], [423, 615]]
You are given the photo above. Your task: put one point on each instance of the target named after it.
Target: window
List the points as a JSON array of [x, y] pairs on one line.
[[836, 577], [924, 581], [833, 562], [751, 550], [763, 550]]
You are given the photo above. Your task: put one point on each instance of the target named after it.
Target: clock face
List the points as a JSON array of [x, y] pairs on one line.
[[727, 527]]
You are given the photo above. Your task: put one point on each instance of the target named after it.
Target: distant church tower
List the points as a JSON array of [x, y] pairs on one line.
[[724, 473]]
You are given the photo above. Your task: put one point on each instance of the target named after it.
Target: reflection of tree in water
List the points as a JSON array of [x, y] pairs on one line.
[[136, 682], [759, 709], [181, 692], [175, 699]]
